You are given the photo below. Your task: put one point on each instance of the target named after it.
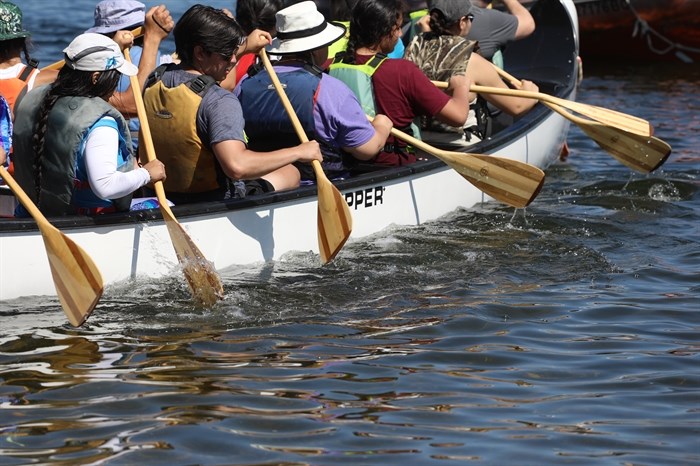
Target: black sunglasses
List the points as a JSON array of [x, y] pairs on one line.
[[470, 17]]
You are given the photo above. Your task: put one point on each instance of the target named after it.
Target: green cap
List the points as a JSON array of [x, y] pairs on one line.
[[11, 22]]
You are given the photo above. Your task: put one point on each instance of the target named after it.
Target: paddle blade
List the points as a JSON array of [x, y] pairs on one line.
[[509, 181], [333, 219], [76, 277], [204, 281], [641, 153]]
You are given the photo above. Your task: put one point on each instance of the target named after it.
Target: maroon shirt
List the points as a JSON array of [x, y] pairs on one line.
[[402, 92]]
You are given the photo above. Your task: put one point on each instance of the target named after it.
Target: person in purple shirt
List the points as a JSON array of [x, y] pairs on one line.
[[327, 109]]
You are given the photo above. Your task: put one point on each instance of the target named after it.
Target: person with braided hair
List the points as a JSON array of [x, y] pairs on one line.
[[72, 151], [397, 87]]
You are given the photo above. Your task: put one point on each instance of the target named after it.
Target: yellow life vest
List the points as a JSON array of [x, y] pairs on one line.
[[172, 117]]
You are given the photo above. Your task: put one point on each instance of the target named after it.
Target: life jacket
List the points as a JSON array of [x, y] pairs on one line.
[[410, 29], [12, 89], [440, 57], [64, 187], [268, 127], [172, 118], [339, 45], [5, 126], [15, 88], [359, 79]]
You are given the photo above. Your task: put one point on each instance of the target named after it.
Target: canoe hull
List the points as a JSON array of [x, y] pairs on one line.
[[135, 245]]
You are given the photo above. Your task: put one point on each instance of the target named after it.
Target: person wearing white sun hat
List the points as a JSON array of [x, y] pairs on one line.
[[197, 126], [72, 150], [328, 110]]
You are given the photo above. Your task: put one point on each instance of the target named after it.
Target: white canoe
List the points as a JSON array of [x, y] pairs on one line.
[[263, 228]]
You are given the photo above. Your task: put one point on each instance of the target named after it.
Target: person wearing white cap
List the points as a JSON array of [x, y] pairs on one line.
[[72, 154], [329, 111], [197, 126]]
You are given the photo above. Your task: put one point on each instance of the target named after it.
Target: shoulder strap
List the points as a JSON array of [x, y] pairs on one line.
[[155, 76], [27, 71], [201, 84]]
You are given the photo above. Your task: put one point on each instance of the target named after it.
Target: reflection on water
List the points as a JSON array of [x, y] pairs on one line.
[[564, 333]]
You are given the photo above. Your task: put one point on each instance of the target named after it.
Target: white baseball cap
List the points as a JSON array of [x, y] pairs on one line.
[[95, 52]]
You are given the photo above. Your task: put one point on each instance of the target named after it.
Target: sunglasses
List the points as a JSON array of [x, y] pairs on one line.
[[470, 17]]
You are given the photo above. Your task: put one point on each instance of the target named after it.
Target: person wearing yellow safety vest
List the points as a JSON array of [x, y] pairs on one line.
[[197, 126], [396, 88]]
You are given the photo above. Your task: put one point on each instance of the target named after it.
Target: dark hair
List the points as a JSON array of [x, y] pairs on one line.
[[372, 20], [10, 48], [68, 83], [341, 10], [257, 14], [211, 29], [438, 24]]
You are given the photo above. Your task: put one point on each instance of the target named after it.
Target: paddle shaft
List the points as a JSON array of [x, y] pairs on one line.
[[510, 181], [138, 32], [640, 153], [201, 276], [606, 116], [334, 219]]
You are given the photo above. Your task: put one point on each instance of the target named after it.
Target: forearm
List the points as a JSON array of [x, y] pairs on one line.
[[373, 146], [241, 163], [106, 181]]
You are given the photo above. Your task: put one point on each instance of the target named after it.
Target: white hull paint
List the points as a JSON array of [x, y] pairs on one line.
[[256, 233]]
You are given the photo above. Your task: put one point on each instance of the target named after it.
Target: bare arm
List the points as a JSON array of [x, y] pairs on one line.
[[255, 41], [455, 112], [526, 23], [484, 74], [382, 128], [241, 163], [157, 26]]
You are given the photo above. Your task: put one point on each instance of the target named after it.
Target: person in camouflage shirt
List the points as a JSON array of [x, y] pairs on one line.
[[443, 52]]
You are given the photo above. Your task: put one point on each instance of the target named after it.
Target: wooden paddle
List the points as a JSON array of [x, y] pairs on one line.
[[606, 116], [201, 276], [76, 277], [510, 181], [333, 218], [640, 153], [59, 64]]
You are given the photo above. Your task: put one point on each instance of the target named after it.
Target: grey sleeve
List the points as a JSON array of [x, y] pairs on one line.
[[220, 117], [493, 29]]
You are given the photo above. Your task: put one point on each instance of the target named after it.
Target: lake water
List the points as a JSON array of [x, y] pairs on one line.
[[564, 335]]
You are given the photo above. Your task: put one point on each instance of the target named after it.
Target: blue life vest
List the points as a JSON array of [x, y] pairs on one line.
[[268, 127]]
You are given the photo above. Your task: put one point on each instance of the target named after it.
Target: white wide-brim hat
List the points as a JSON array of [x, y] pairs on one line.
[[95, 52], [301, 27]]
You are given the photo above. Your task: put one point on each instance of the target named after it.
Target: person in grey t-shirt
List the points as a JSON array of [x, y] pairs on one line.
[[197, 128], [494, 29]]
